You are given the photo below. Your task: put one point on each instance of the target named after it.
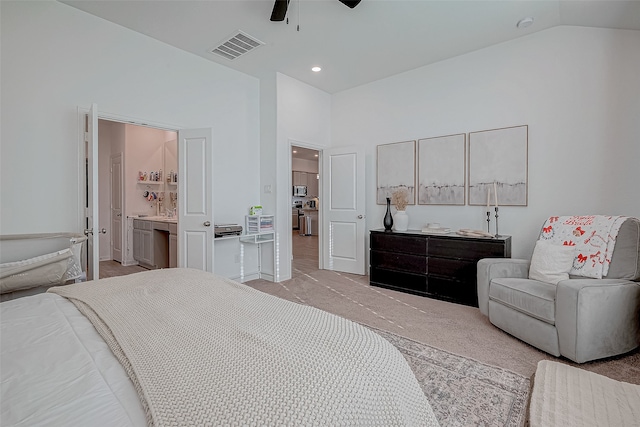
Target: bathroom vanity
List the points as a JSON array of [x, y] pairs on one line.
[[155, 242]]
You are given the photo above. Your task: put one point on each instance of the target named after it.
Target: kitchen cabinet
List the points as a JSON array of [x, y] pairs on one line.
[[299, 178], [309, 179], [312, 184]]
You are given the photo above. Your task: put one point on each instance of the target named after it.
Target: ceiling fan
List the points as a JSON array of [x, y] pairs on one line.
[[280, 8]]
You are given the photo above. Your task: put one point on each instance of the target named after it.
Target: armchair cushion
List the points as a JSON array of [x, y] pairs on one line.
[[531, 297], [625, 260], [550, 262], [492, 268]]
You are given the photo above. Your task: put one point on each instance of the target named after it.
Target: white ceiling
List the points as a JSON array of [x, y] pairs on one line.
[[304, 153], [377, 39]]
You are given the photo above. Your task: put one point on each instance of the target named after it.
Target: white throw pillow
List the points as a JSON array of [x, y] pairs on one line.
[[551, 263]]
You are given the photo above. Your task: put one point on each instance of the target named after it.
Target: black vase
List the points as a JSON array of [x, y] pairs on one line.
[[388, 219]]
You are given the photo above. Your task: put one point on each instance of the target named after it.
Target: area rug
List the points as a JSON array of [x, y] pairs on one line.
[[462, 391]]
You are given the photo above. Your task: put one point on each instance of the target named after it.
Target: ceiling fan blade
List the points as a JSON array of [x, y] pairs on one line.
[[279, 10], [350, 3]]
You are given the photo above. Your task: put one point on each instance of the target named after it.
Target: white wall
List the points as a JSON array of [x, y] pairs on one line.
[[56, 58], [577, 89], [303, 119], [144, 151]]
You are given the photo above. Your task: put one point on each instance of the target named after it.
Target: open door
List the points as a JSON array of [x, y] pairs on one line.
[[116, 207], [195, 199], [92, 232], [344, 209]]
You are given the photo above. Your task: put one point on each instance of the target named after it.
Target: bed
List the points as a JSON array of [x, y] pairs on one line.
[[185, 347]]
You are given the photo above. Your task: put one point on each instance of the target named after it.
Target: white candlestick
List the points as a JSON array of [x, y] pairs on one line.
[[495, 192], [488, 196]]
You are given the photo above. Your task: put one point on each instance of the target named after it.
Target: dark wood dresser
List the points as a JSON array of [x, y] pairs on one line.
[[437, 266]]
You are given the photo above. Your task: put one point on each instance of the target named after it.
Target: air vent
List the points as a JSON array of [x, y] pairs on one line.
[[237, 45]]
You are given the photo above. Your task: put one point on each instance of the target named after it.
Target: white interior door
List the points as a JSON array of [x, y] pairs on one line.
[[195, 199], [116, 207], [343, 209], [92, 231]]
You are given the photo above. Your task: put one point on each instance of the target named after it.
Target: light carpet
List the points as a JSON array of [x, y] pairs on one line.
[[462, 391], [455, 328]]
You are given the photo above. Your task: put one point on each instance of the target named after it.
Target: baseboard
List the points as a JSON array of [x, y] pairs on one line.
[[246, 277], [267, 276]]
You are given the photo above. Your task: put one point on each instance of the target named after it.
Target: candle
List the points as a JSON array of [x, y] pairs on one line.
[[495, 192], [488, 197]]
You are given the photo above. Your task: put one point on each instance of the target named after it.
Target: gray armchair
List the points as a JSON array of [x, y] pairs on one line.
[[581, 319]]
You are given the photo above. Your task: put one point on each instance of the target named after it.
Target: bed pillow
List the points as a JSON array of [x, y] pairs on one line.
[[551, 263], [42, 270]]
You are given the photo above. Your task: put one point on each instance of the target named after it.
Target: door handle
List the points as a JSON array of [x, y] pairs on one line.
[[207, 224], [103, 231], [118, 215], [88, 231], [360, 216]]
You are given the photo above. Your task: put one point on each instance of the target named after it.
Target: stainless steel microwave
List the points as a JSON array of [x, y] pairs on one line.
[[300, 190]]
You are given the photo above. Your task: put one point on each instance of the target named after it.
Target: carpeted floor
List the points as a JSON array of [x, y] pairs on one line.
[[462, 391], [454, 328]]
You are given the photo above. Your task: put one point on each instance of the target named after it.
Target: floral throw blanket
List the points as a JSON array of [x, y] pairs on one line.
[[593, 236]]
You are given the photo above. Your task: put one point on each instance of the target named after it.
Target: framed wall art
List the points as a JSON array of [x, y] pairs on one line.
[[396, 168], [441, 170], [498, 159]]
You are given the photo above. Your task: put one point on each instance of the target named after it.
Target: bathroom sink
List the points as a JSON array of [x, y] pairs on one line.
[[160, 218]]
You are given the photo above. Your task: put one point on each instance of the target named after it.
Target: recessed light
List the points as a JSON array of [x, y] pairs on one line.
[[524, 22], [316, 69], [316, 155], [295, 151]]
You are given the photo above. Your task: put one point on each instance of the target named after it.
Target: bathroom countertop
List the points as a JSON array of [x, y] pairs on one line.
[[158, 218]]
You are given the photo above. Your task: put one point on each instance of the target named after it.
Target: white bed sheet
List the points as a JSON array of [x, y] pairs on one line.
[[58, 371]]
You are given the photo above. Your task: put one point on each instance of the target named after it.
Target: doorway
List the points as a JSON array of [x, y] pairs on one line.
[[126, 153], [305, 205]]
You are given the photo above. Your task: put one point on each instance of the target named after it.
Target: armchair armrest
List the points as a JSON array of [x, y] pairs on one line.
[[492, 268], [597, 318]]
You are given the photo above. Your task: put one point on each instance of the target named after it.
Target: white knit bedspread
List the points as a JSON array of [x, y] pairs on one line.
[[572, 397], [203, 350]]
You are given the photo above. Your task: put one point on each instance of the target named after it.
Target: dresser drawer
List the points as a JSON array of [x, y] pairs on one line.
[[396, 242], [462, 248], [398, 261], [436, 266], [456, 269], [453, 290], [414, 283]]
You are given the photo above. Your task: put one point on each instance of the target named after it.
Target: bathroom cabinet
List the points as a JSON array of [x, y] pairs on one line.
[[155, 243], [143, 250], [173, 245]]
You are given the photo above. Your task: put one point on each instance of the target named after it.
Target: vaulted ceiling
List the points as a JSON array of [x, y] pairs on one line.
[[374, 40]]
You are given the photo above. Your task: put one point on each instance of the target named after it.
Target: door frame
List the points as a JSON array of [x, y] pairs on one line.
[[318, 148], [82, 112]]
